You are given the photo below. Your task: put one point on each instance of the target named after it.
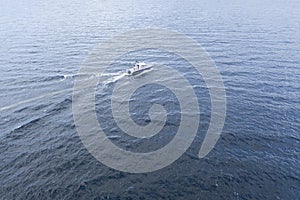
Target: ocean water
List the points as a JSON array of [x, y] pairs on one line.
[[255, 46]]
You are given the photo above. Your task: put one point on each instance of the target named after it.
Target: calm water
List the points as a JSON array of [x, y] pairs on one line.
[[256, 47]]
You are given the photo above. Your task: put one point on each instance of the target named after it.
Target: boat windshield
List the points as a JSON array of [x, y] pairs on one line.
[[140, 65]]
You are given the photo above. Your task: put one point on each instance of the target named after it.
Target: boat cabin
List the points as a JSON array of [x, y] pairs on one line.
[[140, 65]]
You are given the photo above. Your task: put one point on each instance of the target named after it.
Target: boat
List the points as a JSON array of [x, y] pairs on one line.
[[138, 68]]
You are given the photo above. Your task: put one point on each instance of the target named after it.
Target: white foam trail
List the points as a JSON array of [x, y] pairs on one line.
[[111, 74], [114, 78]]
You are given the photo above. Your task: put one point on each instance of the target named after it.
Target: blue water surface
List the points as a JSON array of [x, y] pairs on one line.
[[255, 46]]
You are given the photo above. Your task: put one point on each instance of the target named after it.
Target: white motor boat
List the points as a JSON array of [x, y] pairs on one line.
[[138, 68]]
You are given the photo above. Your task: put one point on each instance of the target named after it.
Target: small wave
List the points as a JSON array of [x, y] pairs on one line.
[[61, 105], [51, 78], [26, 124], [114, 137], [36, 98]]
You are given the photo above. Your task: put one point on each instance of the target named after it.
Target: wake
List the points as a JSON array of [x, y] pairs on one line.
[[112, 78]]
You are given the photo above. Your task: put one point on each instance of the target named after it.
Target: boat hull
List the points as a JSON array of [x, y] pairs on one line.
[[133, 72]]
